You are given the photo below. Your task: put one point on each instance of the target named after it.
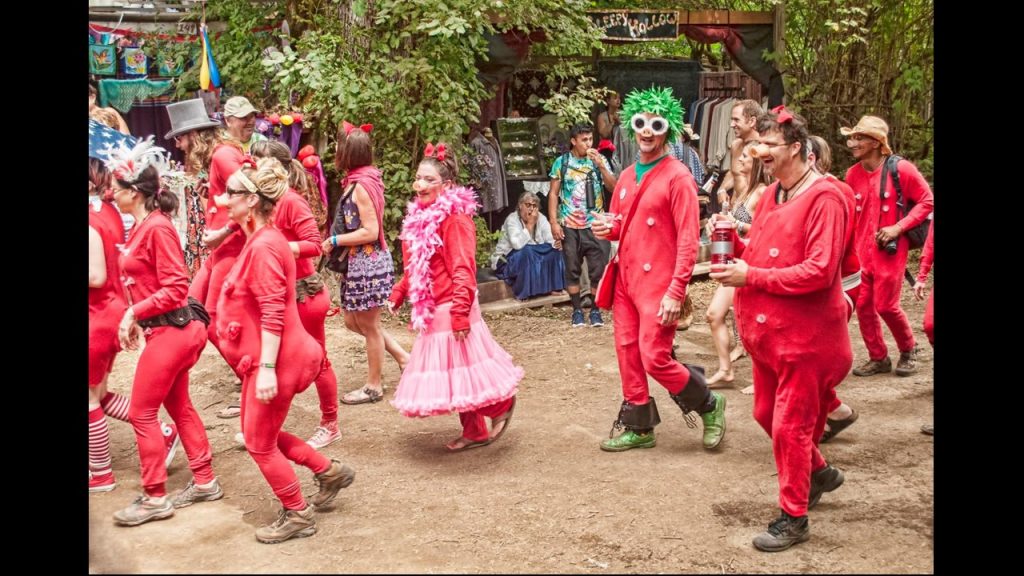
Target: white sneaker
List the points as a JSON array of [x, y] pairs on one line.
[[324, 436]]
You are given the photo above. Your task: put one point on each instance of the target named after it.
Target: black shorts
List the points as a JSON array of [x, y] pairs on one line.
[[579, 244]]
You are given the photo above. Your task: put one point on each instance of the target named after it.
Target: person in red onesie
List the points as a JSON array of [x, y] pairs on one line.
[[106, 307], [455, 365], [152, 269], [792, 315], [208, 151], [840, 414], [294, 218], [927, 257], [882, 247], [263, 339], [657, 252]]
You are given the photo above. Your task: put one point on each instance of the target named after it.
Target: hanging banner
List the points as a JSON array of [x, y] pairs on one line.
[[134, 62], [102, 60], [636, 25]]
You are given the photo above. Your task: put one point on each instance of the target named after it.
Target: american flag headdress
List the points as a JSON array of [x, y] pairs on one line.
[[127, 163]]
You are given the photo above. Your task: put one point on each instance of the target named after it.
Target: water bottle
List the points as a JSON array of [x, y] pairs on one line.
[[722, 249]]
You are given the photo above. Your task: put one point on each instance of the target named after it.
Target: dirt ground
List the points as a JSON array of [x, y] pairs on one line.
[[544, 498]]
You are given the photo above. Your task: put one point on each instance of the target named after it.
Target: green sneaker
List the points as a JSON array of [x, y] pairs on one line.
[[714, 423], [627, 440]]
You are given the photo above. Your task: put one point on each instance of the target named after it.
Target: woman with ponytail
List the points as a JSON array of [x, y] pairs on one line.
[[263, 339], [152, 267], [456, 366]]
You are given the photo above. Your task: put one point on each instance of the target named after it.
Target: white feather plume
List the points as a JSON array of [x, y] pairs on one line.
[[127, 164]]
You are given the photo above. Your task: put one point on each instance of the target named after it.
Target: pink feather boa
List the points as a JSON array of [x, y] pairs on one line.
[[421, 230]]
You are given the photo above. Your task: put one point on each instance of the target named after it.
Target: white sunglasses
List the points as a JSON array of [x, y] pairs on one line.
[[657, 124]]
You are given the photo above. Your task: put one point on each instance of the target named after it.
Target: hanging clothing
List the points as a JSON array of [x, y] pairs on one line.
[[488, 172]]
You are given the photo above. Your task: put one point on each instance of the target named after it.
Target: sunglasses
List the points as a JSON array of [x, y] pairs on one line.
[[657, 124], [235, 192]]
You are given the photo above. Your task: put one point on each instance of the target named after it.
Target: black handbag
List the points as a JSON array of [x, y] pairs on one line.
[[337, 260]]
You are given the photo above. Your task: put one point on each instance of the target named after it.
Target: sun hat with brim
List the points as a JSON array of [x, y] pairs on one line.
[[872, 126], [188, 115]]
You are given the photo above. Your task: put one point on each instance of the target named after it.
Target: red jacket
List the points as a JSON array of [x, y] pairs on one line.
[[452, 269]]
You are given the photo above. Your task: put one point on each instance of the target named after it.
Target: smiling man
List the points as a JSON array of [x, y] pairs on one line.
[[655, 219], [240, 117]]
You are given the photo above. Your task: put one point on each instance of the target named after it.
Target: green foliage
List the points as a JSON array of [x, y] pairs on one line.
[[485, 242], [572, 103]]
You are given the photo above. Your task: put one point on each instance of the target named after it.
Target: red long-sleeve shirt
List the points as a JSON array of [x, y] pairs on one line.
[[259, 294], [226, 160], [153, 267], [664, 234], [295, 220], [452, 269], [792, 301], [880, 212], [927, 255], [851, 262]]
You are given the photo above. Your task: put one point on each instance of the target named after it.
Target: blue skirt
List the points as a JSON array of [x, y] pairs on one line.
[[535, 270]]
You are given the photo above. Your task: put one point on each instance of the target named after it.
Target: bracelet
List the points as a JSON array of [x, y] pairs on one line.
[[268, 365], [334, 241]]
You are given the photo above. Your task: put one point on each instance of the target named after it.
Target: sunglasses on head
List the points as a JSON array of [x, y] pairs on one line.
[[656, 124]]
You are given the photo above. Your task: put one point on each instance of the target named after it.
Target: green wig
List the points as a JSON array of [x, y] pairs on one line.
[[658, 101]]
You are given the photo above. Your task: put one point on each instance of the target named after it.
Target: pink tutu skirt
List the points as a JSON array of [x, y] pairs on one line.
[[445, 375]]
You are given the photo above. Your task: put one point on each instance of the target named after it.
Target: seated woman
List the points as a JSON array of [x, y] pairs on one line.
[[527, 256]]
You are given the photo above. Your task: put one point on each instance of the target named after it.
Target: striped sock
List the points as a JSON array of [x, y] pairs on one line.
[[115, 406], [99, 443]]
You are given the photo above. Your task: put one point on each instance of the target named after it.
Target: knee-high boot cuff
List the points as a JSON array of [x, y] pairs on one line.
[[637, 417], [695, 396]]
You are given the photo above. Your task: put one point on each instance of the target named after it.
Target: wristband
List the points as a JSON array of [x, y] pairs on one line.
[[267, 365]]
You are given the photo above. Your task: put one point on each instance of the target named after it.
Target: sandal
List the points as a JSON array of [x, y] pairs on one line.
[[506, 418], [362, 396], [837, 426], [749, 390], [233, 410], [466, 444]]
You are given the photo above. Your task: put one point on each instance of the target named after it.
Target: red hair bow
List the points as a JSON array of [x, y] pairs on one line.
[[349, 127], [439, 152], [783, 114], [249, 161]]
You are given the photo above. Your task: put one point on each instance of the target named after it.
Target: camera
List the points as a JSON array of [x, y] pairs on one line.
[[890, 247]]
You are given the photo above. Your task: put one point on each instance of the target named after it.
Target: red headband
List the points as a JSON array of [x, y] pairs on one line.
[[350, 127], [439, 152], [783, 114]]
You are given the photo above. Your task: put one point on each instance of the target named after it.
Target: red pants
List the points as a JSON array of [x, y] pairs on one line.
[[643, 346], [206, 287], [271, 447], [103, 346], [831, 399], [929, 318], [161, 377], [880, 296], [313, 312], [790, 403], [474, 427]]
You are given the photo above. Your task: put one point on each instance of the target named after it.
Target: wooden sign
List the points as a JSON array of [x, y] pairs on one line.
[[187, 29], [636, 25]]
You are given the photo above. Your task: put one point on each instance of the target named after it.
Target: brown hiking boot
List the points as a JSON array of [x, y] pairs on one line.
[[907, 364], [289, 524], [332, 480], [872, 367]]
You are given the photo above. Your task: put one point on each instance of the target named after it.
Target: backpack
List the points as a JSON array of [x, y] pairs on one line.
[[918, 234], [592, 186]]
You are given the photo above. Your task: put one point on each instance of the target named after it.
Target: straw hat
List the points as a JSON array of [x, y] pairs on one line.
[[872, 126]]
